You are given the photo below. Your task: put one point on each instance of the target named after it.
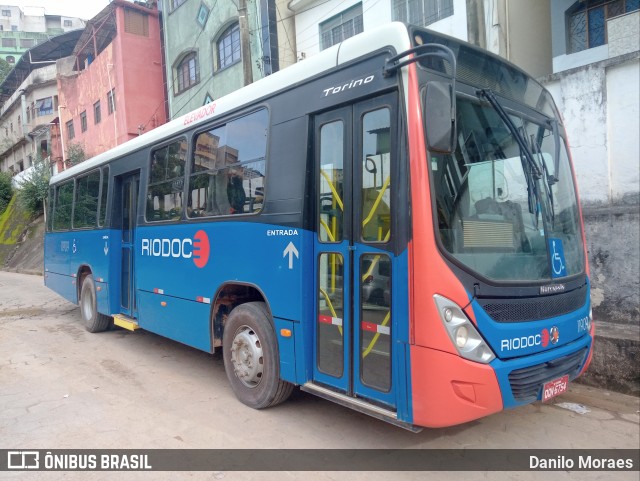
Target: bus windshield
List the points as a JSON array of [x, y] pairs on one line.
[[505, 213]]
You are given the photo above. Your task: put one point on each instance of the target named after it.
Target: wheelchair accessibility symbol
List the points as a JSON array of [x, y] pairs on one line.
[[558, 266]]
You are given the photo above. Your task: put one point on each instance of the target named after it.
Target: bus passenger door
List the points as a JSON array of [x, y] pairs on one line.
[[353, 332], [129, 187]]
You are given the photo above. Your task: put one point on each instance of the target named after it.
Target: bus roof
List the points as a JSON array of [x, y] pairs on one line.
[[393, 34]]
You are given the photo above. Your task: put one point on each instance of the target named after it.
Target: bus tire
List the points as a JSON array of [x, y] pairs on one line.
[[92, 319], [251, 358]]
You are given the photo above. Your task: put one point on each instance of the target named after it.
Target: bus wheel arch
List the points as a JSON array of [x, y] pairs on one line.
[[229, 296], [251, 356], [83, 271], [93, 320]]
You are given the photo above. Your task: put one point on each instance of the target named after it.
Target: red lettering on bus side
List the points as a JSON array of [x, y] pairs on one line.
[[203, 112]]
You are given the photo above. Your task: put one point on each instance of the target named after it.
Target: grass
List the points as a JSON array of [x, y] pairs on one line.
[[13, 221]]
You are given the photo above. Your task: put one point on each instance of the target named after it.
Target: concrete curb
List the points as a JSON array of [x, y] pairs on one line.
[[615, 359]]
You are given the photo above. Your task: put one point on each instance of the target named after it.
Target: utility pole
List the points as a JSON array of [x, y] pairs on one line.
[[245, 46]]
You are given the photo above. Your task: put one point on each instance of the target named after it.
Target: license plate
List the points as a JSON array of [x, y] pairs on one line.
[[554, 388]]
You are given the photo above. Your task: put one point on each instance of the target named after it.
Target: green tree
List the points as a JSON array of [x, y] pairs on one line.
[[6, 191], [5, 68], [75, 154], [34, 188]]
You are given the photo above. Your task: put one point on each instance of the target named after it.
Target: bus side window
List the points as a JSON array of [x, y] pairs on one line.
[[103, 196], [50, 208], [228, 168], [85, 212], [62, 206], [166, 182]]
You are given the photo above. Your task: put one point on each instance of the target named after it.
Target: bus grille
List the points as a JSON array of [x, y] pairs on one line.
[[534, 309], [527, 382]]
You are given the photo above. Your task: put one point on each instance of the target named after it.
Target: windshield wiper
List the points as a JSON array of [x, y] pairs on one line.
[[522, 143], [556, 154], [531, 169], [549, 180]]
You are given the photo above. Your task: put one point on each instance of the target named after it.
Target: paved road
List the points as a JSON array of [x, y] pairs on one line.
[[62, 387]]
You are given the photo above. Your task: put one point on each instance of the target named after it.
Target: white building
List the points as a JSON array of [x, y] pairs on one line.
[[25, 120], [518, 30], [24, 28], [596, 83]]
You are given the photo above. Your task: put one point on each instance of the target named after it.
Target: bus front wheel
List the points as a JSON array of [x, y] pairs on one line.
[[92, 319], [251, 358]]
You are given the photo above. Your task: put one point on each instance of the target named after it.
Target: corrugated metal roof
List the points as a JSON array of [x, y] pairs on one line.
[[49, 51]]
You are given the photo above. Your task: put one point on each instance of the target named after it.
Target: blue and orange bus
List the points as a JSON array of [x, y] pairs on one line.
[[392, 225]]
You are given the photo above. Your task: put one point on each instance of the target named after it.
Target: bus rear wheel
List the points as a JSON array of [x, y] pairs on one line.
[[251, 358], [92, 319]]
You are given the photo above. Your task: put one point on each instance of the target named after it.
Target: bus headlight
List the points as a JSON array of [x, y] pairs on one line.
[[462, 336], [462, 332]]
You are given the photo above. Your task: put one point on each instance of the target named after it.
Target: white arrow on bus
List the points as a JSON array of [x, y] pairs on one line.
[[292, 251]]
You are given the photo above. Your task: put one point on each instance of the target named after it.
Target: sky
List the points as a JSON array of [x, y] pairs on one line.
[[84, 9]]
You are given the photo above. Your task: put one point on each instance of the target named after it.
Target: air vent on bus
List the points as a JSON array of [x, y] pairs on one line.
[[534, 309]]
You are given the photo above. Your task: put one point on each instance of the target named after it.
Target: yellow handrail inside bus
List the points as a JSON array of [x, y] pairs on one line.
[[331, 234], [376, 258], [328, 229], [336, 196], [330, 305], [376, 336], [374, 207]]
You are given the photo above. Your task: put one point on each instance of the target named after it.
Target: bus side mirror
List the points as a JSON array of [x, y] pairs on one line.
[[439, 112]]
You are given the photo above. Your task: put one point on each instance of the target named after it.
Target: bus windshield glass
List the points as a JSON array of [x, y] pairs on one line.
[[503, 210]]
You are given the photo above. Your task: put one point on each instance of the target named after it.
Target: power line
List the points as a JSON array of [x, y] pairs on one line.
[[174, 80]]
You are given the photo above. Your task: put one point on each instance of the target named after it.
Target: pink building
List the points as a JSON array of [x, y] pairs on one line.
[[111, 88]]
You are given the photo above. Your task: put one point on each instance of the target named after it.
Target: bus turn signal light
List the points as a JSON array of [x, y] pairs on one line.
[[285, 332]]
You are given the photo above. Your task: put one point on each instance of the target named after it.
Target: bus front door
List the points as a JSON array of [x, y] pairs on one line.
[[354, 150], [129, 186]]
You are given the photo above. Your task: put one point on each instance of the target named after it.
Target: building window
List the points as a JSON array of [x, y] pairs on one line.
[[27, 42], [97, 115], [9, 42], [342, 26], [187, 73], [71, 132], [229, 47], [136, 22], [83, 121], [44, 106], [111, 101], [587, 21], [14, 28], [173, 4], [203, 15], [422, 12], [68, 23], [6, 13]]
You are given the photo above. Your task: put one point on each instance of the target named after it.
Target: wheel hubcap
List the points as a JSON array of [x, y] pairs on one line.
[[246, 357]]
